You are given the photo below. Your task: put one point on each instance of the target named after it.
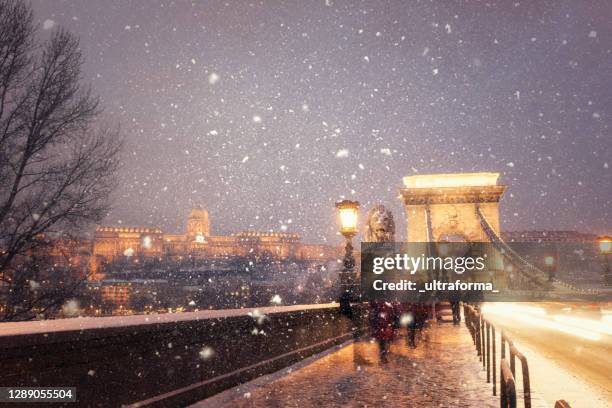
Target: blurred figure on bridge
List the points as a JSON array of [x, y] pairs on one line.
[[456, 311], [384, 318], [414, 318]]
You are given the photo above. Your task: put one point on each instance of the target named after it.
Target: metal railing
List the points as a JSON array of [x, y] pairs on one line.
[[514, 353], [507, 386], [483, 336]]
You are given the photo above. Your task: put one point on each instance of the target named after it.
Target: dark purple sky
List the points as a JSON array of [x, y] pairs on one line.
[[267, 112]]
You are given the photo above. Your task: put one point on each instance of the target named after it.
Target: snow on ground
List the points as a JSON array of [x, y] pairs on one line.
[[442, 371]]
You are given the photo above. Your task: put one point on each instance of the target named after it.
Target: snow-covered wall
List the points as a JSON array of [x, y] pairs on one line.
[[166, 360]]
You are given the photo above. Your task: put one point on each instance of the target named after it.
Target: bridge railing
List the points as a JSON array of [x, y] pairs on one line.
[[507, 386], [484, 337], [167, 360], [514, 353]]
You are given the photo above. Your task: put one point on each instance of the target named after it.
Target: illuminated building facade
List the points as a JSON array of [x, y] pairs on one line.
[[117, 294], [114, 243]]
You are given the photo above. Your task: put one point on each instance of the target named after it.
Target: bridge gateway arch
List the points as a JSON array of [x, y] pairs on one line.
[[442, 207]]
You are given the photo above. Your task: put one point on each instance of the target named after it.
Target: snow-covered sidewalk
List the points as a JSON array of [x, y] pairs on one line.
[[443, 371]]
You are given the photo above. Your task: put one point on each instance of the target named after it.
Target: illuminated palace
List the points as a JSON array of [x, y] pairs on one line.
[[113, 243]]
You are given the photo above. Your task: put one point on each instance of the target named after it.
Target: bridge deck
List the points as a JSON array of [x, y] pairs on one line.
[[442, 371]]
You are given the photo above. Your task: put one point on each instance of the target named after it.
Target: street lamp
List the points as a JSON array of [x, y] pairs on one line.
[[348, 217], [348, 227], [605, 247], [549, 261]]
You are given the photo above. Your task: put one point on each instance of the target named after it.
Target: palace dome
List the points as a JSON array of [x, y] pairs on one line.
[[198, 213]]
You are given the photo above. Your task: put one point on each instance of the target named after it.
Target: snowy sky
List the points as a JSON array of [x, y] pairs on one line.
[[266, 113]]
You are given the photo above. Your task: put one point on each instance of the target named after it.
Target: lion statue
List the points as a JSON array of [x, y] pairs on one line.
[[380, 226]]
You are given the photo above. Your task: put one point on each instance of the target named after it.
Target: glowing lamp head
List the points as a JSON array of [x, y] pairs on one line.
[[605, 245], [348, 216], [549, 261]]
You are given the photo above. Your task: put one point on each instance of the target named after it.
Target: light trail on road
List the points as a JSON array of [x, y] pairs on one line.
[[537, 316], [568, 346]]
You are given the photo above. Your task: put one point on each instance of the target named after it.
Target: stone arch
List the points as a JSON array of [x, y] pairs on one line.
[[440, 205]]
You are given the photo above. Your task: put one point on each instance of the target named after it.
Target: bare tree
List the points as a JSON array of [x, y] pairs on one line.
[[57, 165]]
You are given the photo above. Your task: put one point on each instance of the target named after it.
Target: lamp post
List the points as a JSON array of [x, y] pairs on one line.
[[348, 227], [549, 261], [605, 247]]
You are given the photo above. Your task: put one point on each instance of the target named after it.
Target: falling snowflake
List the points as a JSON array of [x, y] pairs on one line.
[[213, 78], [405, 319], [342, 153], [71, 308], [206, 353], [48, 24], [258, 316]]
